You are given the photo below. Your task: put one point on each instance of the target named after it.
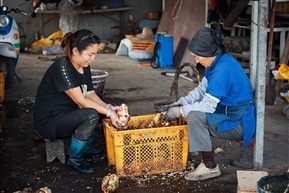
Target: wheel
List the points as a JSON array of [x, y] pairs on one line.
[[8, 67]]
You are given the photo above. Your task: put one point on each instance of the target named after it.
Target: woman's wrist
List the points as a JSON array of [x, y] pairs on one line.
[[108, 106]]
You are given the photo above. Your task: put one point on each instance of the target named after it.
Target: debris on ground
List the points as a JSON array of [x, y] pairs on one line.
[[110, 183], [29, 190]]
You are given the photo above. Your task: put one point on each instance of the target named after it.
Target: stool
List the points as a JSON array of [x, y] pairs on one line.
[[55, 149]]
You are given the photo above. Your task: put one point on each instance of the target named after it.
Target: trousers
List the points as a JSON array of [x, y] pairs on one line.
[[80, 122], [200, 132]]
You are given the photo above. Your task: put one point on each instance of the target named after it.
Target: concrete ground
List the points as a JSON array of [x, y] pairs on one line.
[[137, 86], [140, 86]]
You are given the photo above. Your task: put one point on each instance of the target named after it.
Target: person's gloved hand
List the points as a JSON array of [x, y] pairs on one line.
[[172, 114], [176, 104], [113, 118], [166, 107], [179, 102]]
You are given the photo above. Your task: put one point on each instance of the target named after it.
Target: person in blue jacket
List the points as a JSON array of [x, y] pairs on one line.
[[221, 105], [66, 104]]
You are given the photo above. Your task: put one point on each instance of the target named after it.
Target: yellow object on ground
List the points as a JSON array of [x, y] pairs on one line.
[[56, 35], [282, 74], [52, 40], [101, 47]]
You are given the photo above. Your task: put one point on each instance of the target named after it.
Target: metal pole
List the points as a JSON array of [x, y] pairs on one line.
[[254, 43], [261, 82], [206, 14], [164, 4]]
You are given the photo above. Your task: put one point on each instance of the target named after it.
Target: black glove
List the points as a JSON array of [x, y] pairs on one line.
[[172, 114]]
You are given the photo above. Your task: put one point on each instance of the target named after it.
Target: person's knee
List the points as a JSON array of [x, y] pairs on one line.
[[195, 119], [91, 115], [196, 116], [84, 131]]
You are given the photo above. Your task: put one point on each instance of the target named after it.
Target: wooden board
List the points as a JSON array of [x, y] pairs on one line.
[[247, 180], [182, 19], [282, 7]]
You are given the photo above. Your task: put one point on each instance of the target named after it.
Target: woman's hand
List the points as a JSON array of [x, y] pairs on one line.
[[115, 121], [113, 118], [113, 108]]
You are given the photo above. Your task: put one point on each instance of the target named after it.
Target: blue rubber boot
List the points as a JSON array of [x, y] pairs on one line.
[[76, 157], [89, 149]]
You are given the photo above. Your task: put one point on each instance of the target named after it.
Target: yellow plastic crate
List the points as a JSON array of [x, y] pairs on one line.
[[147, 150]]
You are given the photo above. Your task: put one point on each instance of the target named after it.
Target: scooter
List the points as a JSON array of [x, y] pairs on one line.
[[9, 43]]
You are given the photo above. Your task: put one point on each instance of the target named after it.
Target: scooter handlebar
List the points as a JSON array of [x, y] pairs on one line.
[[23, 13], [18, 11]]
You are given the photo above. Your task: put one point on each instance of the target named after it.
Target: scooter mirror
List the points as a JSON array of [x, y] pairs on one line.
[[4, 8]]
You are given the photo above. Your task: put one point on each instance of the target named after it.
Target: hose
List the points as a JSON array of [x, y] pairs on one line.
[[180, 6]]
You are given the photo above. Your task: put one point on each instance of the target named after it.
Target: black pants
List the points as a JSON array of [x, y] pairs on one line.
[[80, 123]]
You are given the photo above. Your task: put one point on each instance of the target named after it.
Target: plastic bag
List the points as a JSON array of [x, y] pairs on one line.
[[282, 73], [68, 21], [52, 40]]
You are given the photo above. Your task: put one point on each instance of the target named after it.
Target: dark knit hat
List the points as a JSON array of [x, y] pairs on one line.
[[207, 42]]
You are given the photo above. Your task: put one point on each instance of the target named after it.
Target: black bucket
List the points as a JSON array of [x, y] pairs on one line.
[[273, 184]]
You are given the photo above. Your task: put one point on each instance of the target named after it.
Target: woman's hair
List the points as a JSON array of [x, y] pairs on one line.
[[81, 39]]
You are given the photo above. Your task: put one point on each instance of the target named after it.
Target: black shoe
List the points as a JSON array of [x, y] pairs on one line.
[[246, 158]]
